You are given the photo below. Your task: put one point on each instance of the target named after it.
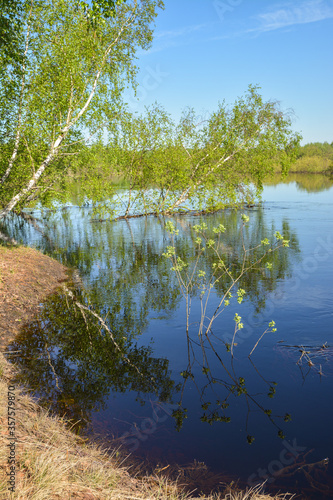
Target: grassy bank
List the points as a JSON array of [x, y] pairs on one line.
[[51, 462]]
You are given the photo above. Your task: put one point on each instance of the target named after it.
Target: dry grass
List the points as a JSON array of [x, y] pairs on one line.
[[53, 463]]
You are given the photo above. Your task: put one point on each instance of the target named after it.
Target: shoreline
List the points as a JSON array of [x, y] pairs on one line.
[[27, 277], [50, 460]]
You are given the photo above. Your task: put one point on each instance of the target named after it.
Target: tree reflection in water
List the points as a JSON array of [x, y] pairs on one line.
[[70, 361]]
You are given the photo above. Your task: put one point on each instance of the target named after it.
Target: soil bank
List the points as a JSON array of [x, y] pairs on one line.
[[26, 278]]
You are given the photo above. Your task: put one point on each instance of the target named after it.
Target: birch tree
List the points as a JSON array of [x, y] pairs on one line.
[[202, 164], [72, 76]]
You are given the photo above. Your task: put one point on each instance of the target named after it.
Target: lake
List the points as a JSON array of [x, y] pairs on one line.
[[163, 391]]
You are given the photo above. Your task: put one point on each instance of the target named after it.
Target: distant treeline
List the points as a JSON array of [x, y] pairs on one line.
[[314, 157]]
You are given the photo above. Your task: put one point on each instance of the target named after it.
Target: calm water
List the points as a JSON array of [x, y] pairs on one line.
[[163, 394]]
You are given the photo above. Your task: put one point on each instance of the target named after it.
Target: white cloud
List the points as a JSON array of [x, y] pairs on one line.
[[289, 15], [284, 15], [186, 30]]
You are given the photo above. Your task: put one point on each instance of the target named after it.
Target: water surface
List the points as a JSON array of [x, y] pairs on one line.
[[168, 396]]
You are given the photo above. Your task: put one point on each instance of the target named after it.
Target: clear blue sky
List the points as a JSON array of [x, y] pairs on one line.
[[205, 51]]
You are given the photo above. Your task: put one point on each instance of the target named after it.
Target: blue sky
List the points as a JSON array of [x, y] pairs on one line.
[[205, 51]]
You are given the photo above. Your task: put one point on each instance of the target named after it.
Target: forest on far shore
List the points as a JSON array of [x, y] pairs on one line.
[[314, 157]]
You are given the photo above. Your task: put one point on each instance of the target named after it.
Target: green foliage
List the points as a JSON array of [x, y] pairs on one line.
[[314, 157], [98, 11], [11, 12], [179, 415], [217, 268], [324, 150], [211, 271], [175, 166], [78, 58], [250, 439], [69, 85]]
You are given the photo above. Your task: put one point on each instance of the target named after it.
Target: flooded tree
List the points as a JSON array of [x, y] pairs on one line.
[[201, 164]]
